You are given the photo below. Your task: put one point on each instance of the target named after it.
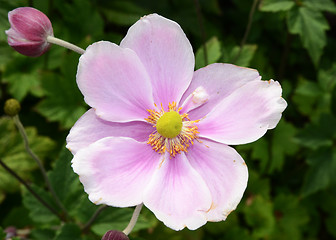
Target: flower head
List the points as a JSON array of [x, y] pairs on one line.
[[29, 31], [158, 132]]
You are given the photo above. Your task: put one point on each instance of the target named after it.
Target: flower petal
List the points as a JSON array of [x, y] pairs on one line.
[[245, 115], [225, 173], [166, 53], [115, 171], [177, 194], [114, 82], [218, 80], [90, 128]]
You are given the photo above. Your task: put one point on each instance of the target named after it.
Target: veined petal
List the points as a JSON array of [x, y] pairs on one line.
[[245, 115], [90, 128], [114, 82], [115, 171], [217, 80], [166, 53], [225, 173], [177, 194]]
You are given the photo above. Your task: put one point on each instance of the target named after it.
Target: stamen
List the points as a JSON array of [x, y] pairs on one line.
[[177, 144]]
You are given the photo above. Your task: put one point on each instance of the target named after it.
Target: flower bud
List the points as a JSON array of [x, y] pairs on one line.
[[114, 235], [29, 31], [12, 107]]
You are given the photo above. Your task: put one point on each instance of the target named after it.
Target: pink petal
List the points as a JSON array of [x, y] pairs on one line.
[[245, 115], [115, 171], [114, 82], [177, 194], [218, 80], [90, 128], [225, 173], [166, 53]]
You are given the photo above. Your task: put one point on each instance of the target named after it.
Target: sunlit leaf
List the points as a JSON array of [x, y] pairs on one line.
[[276, 5], [311, 26], [213, 48]]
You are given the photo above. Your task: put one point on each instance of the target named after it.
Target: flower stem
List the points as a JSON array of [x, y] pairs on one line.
[[52, 210], [93, 218], [22, 131], [65, 44], [248, 28], [134, 219], [203, 34]]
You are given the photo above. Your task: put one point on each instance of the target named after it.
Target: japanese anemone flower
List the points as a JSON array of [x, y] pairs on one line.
[[158, 133]]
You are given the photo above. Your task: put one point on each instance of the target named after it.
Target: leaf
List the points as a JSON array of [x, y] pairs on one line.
[[2, 234], [311, 26], [118, 219], [291, 217], [39, 233], [239, 57], [20, 84], [318, 135], [213, 48], [38, 212], [64, 180], [123, 13], [321, 172], [13, 153], [63, 103], [258, 213], [276, 5], [69, 231], [321, 5], [283, 145]]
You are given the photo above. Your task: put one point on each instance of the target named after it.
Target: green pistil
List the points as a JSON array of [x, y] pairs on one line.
[[169, 125]]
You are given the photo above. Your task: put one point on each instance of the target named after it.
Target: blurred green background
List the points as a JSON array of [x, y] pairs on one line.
[[291, 192]]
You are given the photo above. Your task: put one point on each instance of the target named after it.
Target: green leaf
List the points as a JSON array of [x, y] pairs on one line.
[[276, 5], [311, 26], [64, 180], [322, 171], [258, 214], [118, 219], [20, 84], [13, 153], [69, 231], [2, 233], [37, 211], [283, 145], [38, 234], [64, 103], [214, 53], [321, 5], [123, 13], [318, 135], [239, 57], [291, 217]]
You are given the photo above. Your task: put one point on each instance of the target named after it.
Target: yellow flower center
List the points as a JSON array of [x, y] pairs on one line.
[[169, 125], [174, 131]]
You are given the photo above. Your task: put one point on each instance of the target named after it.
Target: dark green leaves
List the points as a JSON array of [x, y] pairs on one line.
[[311, 26]]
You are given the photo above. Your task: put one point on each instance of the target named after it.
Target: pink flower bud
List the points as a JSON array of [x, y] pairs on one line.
[[115, 235], [29, 31]]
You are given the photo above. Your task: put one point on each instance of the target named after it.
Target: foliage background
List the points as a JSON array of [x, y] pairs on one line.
[[291, 191]]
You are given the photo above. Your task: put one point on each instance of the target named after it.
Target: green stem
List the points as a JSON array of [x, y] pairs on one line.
[[201, 25], [133, 220], [22, 131], [51, 209], [248, 28], [93, 218]]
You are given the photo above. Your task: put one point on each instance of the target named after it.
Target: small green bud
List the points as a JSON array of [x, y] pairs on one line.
[[12, 107]]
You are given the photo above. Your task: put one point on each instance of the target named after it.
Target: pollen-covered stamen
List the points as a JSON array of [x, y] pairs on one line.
[[173, 132]]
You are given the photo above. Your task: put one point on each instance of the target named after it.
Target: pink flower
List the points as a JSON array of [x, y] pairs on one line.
[[158, 132], [29, 31]]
